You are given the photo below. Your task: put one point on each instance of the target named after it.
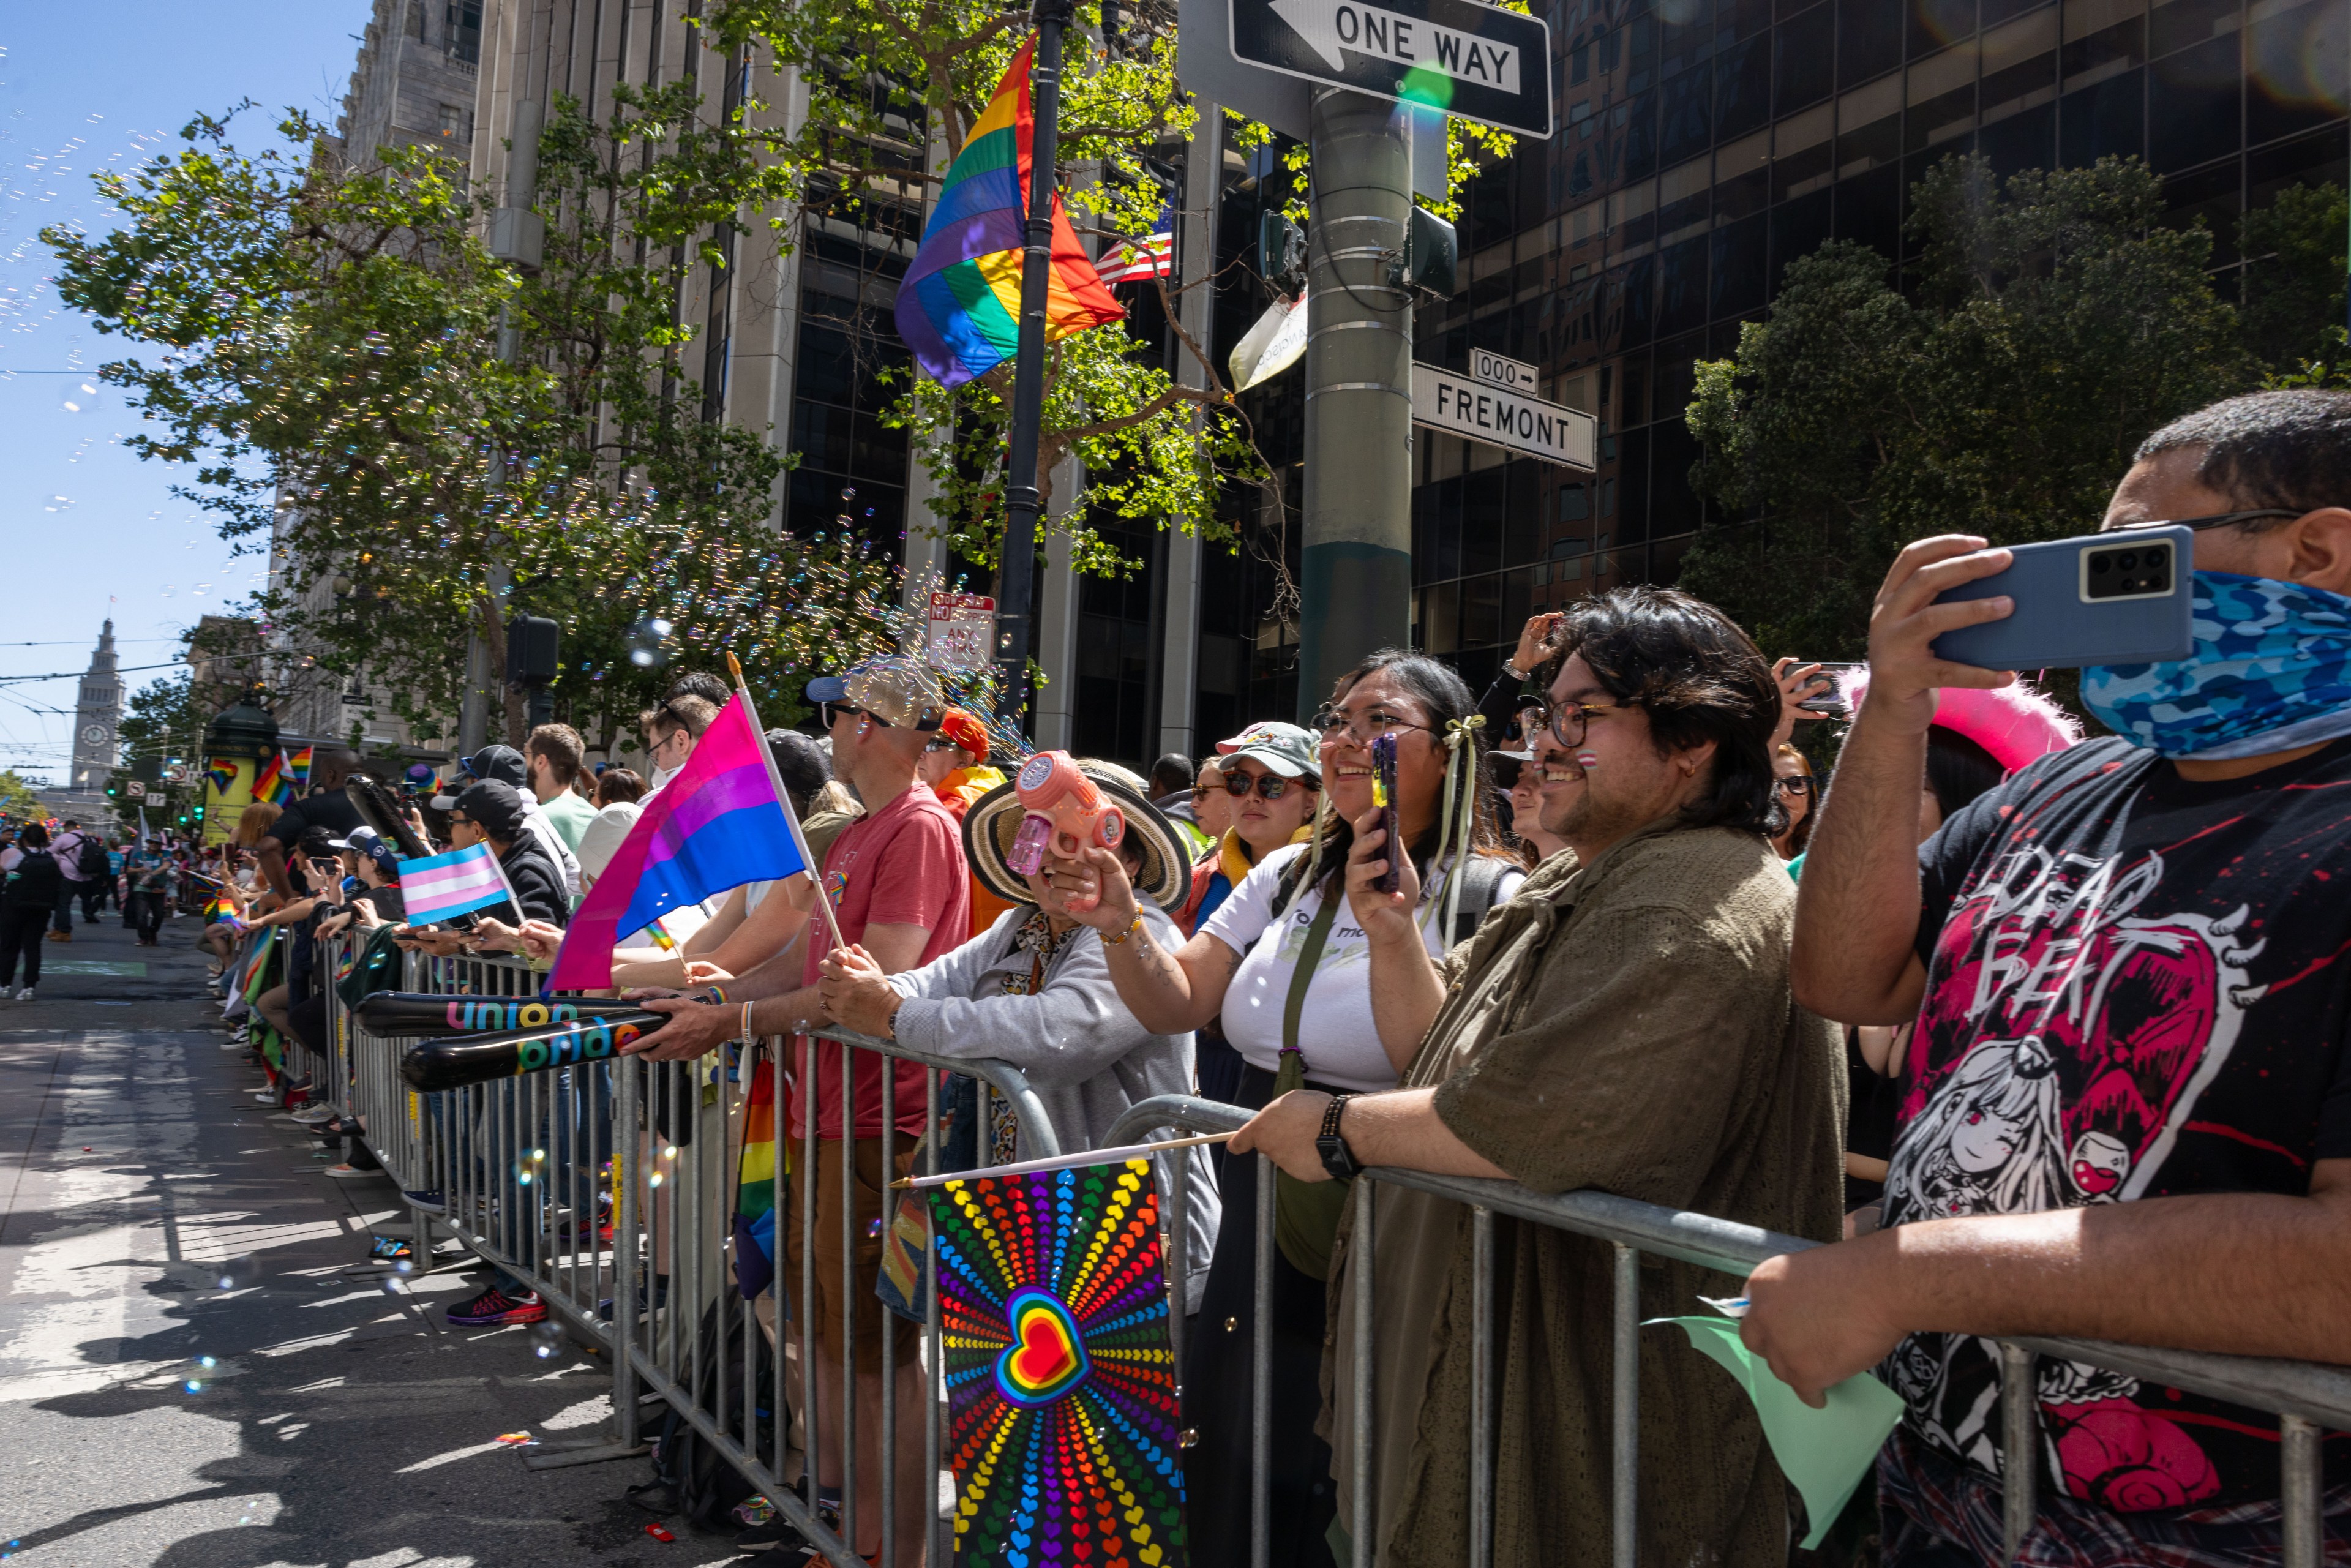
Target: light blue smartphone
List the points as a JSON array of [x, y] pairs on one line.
[[2103, 599]]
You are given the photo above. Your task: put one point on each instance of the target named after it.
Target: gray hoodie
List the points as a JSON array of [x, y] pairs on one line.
[[1080, 1049]]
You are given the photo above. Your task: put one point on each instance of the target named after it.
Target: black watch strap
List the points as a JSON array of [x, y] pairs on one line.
[[1336, 1157]]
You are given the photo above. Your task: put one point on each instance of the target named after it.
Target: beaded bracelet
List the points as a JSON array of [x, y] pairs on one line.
[[1120, 940]]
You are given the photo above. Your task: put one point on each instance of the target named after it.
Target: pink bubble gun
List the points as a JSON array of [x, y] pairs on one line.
[[1065, 811]]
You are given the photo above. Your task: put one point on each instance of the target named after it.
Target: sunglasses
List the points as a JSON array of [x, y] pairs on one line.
[[833, 710], [1271, 786], [1794, 784]]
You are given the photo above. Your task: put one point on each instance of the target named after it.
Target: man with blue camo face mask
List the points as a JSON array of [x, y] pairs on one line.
[[2126, 1110]]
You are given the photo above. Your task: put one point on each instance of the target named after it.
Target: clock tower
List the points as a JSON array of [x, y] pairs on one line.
[[96, 718]]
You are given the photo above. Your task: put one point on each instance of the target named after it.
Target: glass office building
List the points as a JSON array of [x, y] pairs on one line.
[[1703, 145]]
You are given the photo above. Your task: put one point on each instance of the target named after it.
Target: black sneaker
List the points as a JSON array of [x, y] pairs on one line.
[[494, 1306]]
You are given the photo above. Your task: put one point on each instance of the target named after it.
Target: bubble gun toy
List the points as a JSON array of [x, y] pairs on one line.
[[1065, 811]]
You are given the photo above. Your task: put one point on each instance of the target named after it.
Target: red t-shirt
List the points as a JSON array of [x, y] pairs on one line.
[[900, 865]]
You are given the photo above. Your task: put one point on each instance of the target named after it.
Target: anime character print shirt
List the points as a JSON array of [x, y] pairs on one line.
[[2136, 988]]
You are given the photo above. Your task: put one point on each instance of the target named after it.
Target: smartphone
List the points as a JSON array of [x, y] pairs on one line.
[[2102, 599], [1383, 796], [1832, 703]]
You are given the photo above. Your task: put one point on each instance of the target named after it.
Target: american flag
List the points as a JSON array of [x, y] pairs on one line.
[[1152, 255]]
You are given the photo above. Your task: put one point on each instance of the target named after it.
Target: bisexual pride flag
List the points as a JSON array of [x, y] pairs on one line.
[[960, 307], [438, 887], [1065, 1431], [721, 822]]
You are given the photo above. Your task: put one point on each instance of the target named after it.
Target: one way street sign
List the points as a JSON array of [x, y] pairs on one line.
[[1475, 60]]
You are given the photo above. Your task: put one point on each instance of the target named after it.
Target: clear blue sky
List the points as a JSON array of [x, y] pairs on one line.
[[90, 530]]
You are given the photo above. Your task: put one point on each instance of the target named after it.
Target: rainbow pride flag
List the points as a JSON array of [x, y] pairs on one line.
[[298, 769], [960, 307], [720, 823], [269, 780], [755, 1186]]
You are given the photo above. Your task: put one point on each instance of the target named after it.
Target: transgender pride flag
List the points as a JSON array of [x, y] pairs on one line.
[[458, 883], [721, 822]]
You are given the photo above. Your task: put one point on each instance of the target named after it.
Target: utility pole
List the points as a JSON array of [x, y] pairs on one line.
[[1355, 587], [1016, 623]]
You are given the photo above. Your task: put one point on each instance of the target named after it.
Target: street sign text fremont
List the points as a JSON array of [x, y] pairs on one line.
[[1468, 59], [1445, 400]]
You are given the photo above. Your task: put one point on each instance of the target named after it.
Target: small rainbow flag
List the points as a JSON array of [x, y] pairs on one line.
[[269, 780], [754, 1188], [221, 772], [960, 307], [720, 823], [297, 768]]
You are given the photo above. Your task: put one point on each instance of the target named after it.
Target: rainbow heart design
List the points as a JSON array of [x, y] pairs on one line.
[[1047, 1357]]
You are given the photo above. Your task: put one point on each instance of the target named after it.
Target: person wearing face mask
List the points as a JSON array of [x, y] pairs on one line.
[[1284, 969], [2127, 1096]]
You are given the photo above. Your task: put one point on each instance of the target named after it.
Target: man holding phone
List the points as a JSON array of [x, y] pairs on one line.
[[2126, 1111]]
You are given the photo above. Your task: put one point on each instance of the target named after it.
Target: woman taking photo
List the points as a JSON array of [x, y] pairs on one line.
[[1284, 969]]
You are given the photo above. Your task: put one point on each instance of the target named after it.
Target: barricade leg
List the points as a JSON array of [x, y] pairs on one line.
[[1624, 1481], [2020, 1439], [2301, 1492]]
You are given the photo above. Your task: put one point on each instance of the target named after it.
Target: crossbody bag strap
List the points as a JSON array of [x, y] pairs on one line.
[[1292, 1074]]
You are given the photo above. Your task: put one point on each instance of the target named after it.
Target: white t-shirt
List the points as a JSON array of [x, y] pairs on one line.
[[1335, 1030]]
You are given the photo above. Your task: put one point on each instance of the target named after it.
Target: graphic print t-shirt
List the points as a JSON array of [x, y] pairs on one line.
[[2136, 988]]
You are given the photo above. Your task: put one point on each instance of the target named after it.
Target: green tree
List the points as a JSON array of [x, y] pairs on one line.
[[400, 417], [2295, 279], [162, 722], [2052, 324], [17, 801], [894, 88]]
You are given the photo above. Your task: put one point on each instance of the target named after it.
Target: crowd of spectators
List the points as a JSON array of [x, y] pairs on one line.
[[2034, 1035]]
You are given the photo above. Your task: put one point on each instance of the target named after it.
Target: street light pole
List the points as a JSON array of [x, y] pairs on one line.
[[1023, 502]]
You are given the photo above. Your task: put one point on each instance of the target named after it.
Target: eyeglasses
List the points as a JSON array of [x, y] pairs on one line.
[[835, 710], [1364, 729], [2215, 520], [1272, 786], [1569, 721], [940, 743], [1202, 791], [1794, 784]]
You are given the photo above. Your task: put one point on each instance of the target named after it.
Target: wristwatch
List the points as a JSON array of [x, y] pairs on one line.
[[1333, 1147]]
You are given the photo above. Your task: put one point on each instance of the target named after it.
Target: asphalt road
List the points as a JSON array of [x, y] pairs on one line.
[[199, 1368]]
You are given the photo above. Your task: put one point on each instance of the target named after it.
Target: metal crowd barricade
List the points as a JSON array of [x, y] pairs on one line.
[[680, 1339], [2306, 1397], [609, 1188]]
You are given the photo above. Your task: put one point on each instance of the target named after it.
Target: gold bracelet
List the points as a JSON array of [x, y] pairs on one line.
[[1120, 940]]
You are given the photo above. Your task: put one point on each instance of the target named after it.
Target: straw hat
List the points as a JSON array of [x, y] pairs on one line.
[[994, 822]]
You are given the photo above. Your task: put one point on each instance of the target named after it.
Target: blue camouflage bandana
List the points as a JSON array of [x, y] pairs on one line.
[[2271, 670]]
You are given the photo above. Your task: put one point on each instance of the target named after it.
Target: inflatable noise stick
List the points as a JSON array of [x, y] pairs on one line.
[[433, 1065], [394, 1013]]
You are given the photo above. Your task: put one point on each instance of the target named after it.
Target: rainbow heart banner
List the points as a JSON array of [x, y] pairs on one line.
[[1064, 1426]]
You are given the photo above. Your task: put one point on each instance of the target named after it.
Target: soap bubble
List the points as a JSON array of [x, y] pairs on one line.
[[238, 1273], [58, 504]]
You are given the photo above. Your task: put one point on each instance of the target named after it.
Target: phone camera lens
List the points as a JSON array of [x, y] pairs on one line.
[[2101, 563], [2128, 560], [2154, 560]]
